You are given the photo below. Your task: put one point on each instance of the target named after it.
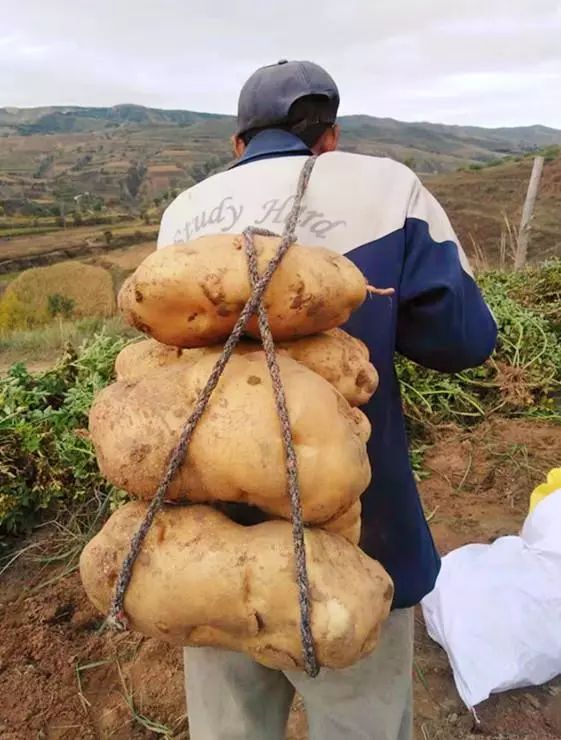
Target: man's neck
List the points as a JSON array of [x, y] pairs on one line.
[[273, 143]]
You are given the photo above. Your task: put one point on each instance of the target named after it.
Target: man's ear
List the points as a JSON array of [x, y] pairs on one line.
[[328, 141], [238, 146]]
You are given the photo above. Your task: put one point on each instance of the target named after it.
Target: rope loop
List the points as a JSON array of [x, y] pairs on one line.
[[117, 616]]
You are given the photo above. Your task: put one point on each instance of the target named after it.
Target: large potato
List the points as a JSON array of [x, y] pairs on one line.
[[339, 358], [200, 579], [139, 359], [236, 453], [335, 355], [348, 524], [190, 295]]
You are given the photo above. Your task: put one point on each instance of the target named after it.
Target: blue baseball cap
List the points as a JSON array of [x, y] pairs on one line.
[[266, 98]]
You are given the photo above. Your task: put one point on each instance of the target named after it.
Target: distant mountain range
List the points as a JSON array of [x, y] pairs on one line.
[[133, 153]]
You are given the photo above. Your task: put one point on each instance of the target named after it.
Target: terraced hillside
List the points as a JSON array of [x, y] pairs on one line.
[[130, 155]]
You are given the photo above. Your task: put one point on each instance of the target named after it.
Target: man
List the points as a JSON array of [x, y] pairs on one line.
[[377, 213]]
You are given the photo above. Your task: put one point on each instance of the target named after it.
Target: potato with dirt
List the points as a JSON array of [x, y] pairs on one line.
[[348, 524], [191, 295], [341, 359], [335, 355], [236, 452], [202, 580]]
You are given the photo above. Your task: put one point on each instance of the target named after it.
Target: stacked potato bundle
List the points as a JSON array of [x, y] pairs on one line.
[[202, 579]]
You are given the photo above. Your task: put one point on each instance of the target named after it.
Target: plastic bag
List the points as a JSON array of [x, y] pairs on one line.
[[496, 609], [550, 486]]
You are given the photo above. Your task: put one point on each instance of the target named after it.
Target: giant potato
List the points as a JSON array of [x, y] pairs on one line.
[[335, 355], [341, 359], [202, 580], [236, 453], [348, 524], [139, 359], [191, 295]]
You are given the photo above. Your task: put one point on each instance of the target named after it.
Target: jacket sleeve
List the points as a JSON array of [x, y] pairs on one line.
[[443, 321]]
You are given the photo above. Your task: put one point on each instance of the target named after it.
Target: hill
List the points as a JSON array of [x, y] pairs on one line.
[[131, 155], [485, 207]]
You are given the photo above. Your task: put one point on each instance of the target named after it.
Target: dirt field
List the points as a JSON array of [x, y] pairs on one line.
[[127, 258], [61, 679], [486, 204], [23, 252]]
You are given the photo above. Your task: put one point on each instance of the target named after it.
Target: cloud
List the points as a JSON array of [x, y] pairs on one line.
[[470, 61]]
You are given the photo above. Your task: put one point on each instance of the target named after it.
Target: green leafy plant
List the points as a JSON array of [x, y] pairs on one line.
[[523, 378], [60, 305], [536, 287], [45, 455]]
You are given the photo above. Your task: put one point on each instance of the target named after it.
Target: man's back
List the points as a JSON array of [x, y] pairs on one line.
[[377, 213], [352, 199]]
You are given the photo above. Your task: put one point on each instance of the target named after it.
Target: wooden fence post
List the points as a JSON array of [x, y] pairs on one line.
[[527, 213]]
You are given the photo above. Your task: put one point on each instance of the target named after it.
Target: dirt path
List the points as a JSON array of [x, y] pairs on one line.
[[60, 678]]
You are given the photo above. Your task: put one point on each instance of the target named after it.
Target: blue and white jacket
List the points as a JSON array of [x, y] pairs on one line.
[[378, 214]]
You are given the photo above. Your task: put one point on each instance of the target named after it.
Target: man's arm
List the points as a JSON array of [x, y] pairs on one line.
[[443, 321]]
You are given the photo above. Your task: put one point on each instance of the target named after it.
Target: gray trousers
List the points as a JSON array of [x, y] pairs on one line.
[[230, 697]]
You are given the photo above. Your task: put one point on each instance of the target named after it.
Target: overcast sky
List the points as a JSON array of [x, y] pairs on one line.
[[487, 62]]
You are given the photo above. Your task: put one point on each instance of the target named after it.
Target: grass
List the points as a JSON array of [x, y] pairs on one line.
[[69, 532], [47, 463], [11, 558], [523, 378], [6, 277], [142, 720], [79, 669], [537, 288], [45, 344], [28, 231], [149, 724], [25, 301], [73, 527]]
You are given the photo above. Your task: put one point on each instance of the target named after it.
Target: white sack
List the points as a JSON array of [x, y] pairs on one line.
[[496, 609]]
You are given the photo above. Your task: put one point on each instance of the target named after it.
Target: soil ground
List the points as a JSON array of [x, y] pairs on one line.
[[61, 678]]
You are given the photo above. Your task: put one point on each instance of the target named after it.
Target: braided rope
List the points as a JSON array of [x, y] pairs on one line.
[[302, 581], [117, 617]]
